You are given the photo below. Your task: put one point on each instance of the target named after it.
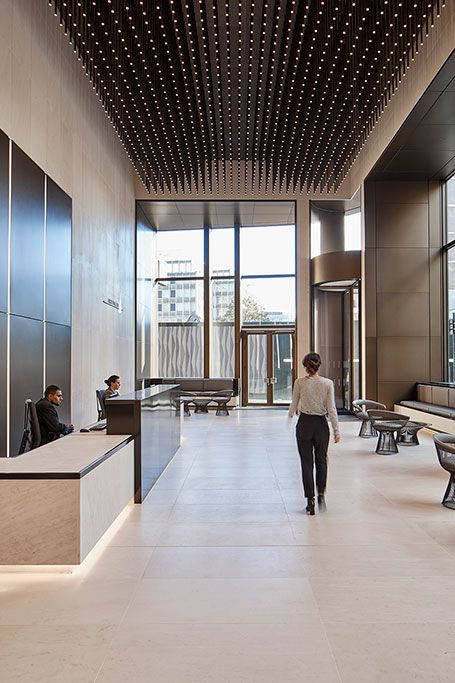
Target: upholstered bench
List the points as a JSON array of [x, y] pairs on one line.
[[435, 404], [222, 391]]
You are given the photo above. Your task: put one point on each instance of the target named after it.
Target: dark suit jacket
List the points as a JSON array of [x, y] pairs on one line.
[[48, 420]]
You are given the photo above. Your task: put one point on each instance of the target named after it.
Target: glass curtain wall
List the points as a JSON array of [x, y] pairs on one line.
[[180, 303], [450, 266], [267, 270], [230, 268], [222, 288]]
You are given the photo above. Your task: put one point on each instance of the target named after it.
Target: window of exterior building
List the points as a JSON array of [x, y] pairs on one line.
[[180, 253], [196, 273], [267, 252]]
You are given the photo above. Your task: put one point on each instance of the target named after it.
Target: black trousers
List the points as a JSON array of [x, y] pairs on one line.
[[313, 441]]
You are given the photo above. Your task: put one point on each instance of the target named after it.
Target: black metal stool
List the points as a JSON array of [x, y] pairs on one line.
[[387, 444], [387, 422]]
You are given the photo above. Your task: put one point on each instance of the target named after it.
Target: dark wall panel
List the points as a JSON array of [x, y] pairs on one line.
[[3, 386], [26, 371], [403, 287], [58, 364], [58, 255], [27, 237], [4, 177]]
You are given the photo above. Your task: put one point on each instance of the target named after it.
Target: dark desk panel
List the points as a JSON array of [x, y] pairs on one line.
[[4, 179], [58, 364], [150, 416], [27, 237], [3, 386], [58, 255], [26, 379]]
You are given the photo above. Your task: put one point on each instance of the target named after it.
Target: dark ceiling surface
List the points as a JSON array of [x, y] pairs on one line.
[[424, 147], [169, 215], [339, 205], [253, 95]]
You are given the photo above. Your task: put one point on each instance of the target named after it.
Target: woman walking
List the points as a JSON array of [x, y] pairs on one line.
[[313, 398]]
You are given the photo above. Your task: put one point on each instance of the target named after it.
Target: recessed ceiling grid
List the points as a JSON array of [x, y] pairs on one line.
[[268, 96]]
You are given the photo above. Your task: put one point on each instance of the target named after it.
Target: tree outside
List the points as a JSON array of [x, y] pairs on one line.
[[252, 312]]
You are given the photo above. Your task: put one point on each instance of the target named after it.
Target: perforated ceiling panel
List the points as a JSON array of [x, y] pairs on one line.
[[254, 95]]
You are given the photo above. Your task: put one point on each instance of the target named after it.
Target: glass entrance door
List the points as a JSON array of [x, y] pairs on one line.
[[336, 336], [268, 367]]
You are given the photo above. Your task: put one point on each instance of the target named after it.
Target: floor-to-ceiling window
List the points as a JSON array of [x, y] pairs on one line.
[[180, 302], [224, 269], [222, 302], [267, 271], [450, 250]]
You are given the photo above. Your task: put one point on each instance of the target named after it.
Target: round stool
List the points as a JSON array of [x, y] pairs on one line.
[[407, 435], [386, 442]]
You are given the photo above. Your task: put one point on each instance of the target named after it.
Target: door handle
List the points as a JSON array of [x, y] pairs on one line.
[[273, 380], [266, 380]]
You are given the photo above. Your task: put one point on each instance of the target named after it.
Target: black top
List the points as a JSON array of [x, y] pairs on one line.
[[140, 395], [48, 420], [109, 393]]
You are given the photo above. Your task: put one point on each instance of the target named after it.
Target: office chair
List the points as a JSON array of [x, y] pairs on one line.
[[31, 438], [100, 404]]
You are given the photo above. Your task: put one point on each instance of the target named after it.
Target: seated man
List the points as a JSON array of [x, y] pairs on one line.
[[49, 423]]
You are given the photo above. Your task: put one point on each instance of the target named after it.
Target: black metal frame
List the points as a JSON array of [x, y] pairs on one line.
[[246, 332]]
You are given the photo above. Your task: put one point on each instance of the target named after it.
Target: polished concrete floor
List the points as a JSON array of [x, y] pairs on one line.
[[220, 577]]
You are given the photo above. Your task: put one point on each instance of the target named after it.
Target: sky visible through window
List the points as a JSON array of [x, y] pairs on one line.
[[264, 250], [352, 231]]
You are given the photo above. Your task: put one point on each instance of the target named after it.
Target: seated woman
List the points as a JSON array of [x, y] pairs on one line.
[[113, 386]]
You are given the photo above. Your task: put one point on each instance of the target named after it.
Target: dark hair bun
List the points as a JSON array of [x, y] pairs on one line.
[[110, 380], [312, 362]]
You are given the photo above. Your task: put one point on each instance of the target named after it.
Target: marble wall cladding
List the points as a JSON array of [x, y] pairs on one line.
[[39, 521], [51, 111]]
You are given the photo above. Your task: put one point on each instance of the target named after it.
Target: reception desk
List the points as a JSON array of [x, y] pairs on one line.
[[58, 500], [150, 416]]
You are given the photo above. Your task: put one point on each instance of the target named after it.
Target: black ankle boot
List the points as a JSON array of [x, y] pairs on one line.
[[310, 506], [321, 501]]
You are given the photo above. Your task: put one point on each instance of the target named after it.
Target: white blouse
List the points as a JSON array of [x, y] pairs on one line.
[[315, 396]]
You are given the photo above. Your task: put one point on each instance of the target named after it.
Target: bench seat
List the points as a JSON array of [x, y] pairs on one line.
[[443, 411], [435, 404]]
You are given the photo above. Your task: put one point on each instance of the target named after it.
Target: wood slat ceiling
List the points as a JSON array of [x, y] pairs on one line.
[[254, 95]]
